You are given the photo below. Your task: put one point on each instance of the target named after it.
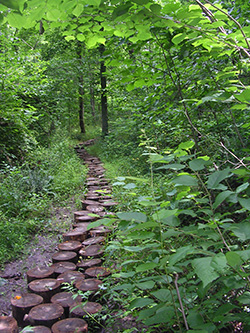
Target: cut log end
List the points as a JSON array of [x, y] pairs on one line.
[[70, 325]]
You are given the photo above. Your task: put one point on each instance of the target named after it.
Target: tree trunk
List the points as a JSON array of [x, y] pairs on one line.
[[81, 91], [104, 103]]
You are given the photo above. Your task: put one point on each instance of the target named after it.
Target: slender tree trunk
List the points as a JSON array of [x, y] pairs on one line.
[[81, 91], [104, 103]]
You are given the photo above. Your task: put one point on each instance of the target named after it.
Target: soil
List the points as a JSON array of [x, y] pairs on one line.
[[39, 252]]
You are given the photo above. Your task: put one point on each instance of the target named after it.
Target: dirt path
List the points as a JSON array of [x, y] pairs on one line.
[[38, 253]]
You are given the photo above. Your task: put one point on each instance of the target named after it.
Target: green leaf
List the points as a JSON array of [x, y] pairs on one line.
[[242, 230], [198, 164], [174, 166], [132, 216], [163, 315], [185, 180], [78, 10], [145, 267], [233, 259], [219, 263], [80, 37], [163, 214], [95, 39], [177, 39], [221, 197], [121, 10], [146, 225], [141, 2], [163, 295], [69, 38], [194, 319], [242, 187], [146, 285], [244, 298], [13, 4], [156, 9], [245, 203], [180, 254], [93, 2], [204, 270], [16, 20], [218, 176], [142, 235], [53, 14], [186, 145], [140, 302], [244, 96]]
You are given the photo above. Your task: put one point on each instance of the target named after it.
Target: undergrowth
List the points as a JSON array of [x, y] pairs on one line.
[[29, 191], [181, 249]]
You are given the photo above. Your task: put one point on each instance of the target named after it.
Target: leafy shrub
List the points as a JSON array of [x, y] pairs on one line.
[[184, 255]]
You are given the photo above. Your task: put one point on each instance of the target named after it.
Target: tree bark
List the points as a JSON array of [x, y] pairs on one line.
[[104, 103], [81, 91]]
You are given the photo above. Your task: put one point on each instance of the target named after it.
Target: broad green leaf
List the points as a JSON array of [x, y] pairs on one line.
[[139, 83], [37, 14], [186, 145], [221, 197], [141, 2], [163, 295], [145, 267], [233, 259], [180, 254], [140, 302], [189, 212], [80, 37], [146, 285], [242, 230], [245, 203], [146, 225], [244, 254], [242, 187], [156, 158], [218, 176], [144, 35], [164, 213], [121, 10], [13, 4], [194, 319], [135, 216], [163, 315], [244, 96], [93, 2], [95, 39], [219, 262], [185, 180], [174, 166], [244, 298], [99, 222], [177, 39], [198, 164], [69, 38], [129, 186], [78, 10], [53, 14], [137, 248], [156, 9], [16, 20], [204, 270], [142, 235]]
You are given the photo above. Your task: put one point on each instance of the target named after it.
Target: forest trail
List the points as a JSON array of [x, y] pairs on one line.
[[45, 304]]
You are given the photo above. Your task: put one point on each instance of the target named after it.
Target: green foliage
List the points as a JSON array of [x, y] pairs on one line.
[[186, 243], [49, 176]]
